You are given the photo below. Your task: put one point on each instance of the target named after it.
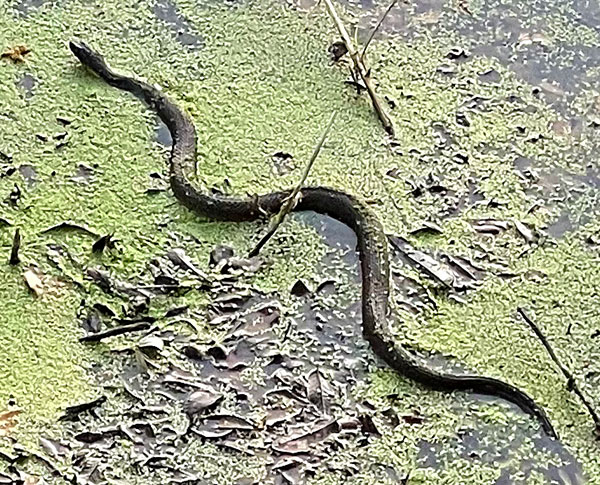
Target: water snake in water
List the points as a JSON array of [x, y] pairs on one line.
[[348, 209]]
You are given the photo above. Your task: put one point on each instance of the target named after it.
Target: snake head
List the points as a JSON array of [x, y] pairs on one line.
[[79, 48], [89, 58]]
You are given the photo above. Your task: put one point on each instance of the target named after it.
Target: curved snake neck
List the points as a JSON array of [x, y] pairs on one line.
[[372, 242]]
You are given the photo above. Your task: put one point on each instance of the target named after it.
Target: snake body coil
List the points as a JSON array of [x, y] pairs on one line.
[[372, 242]]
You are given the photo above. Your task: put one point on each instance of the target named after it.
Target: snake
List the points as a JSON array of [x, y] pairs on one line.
[[372, 242]]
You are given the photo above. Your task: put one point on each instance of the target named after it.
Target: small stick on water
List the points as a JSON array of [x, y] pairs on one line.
[[375, 29], [364, 73], [571, 383], [291, 201], [16, 245]]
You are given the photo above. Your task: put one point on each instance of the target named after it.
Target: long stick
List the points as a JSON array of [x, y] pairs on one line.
[[361, 69], [571, 383], [291, 200]]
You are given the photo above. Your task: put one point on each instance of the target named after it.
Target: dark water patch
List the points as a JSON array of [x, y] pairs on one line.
[[333, 332], [397, 21], [84, 174], [555, 64], [27, 83], [591, 178], [523, 37], [337, 236], [162, 134], [296, 366], [548, 45], [589, 13], [25, 7], [29, 174], [185, 34], [576, 194], [490, 444], [560, 227]]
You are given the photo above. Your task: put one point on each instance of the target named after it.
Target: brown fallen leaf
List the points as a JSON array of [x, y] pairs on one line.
[[550, 88], [424, 262], [54, 448], [300, 288], [16, 53], [209, 433], [14, 253], [427, 227], [229, 421], [256, 322], [561, 128], [317, 390], [301, 443], [70, 226], [201, 400], [337, 50], [8, 421], [278, 416]]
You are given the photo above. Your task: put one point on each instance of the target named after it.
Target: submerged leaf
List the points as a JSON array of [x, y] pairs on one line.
[[201, 400], [301, 443]]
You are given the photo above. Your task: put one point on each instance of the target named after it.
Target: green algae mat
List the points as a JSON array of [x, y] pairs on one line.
[[254, 371]]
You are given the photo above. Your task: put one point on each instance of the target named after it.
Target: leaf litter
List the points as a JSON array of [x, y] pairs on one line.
[[261, 387]]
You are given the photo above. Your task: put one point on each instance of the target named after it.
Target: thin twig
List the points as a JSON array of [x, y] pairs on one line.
[[291, 201], [375, 29], [361, 69], [571, 383]]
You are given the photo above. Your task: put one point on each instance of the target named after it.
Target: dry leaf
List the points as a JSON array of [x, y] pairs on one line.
[[34, 282], [16, 53], [8, 421]]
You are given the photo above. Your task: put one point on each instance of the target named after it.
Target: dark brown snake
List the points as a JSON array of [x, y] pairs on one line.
[[372, 242]]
